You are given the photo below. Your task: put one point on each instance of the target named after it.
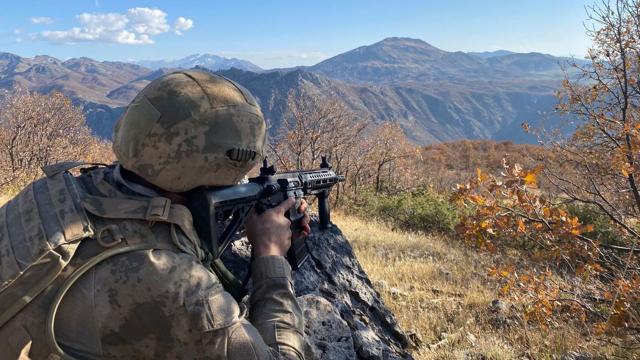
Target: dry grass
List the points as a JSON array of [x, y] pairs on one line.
[[439, 289]]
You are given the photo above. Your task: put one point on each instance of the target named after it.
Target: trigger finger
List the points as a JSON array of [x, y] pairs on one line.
[[303, 206]]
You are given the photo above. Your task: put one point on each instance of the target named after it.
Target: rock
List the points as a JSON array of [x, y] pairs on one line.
[[397, 293], [500, 314], [416, 339], [472, 338], [333, 278], [381, 284], [574, 355], [447, 275], [369, 346], [472, 355], [498, 306], [326, 334]]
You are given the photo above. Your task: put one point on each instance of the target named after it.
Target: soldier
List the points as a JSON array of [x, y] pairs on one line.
[[108, 264]]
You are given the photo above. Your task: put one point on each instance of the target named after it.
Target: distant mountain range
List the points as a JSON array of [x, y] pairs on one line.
[[433, 94], [209, 61]]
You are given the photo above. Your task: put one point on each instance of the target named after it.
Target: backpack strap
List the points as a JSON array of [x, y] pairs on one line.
[[42, 227], [88, 265]]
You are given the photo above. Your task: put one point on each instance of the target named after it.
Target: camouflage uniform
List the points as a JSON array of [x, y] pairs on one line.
[[158, 303], [143, 287]]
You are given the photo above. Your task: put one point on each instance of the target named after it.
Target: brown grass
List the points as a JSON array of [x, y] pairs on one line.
[[440, 290]]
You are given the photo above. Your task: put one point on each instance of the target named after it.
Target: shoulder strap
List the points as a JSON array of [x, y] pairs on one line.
[[57, 168], [151, 209]]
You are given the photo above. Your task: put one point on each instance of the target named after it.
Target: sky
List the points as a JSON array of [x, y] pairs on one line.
[[284, 33]]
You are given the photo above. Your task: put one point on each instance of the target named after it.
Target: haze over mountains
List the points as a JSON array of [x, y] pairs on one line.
[[433, 94]]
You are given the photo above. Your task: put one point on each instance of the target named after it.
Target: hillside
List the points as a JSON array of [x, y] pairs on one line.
[[433, 94], [427, 114], [444, 298]]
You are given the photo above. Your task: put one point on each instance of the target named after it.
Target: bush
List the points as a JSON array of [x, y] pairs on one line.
[[420, 210], [603, 230]]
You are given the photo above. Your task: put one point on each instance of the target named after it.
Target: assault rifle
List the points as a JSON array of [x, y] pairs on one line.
[[219, 213]]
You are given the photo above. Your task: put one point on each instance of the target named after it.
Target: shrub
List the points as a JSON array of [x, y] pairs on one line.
[[420, 210], [603, 230]]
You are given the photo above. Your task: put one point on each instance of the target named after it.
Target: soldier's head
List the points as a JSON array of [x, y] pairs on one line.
[[189, 129]]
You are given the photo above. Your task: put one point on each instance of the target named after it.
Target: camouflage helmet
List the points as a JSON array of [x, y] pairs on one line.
[[189, 129]]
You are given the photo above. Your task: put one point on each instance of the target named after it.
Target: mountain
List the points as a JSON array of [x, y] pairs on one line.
[[399, 60], [82, 79], [435, 95], [490, 54], [209, 61], [426, 114]]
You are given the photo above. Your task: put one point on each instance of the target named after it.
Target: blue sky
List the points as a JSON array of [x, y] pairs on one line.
[[284, 33]]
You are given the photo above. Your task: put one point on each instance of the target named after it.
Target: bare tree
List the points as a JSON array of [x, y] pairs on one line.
[[316, 127], [388, 146], [36, 130]]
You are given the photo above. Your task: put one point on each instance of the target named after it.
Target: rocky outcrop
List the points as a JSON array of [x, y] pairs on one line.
[[345, 317]]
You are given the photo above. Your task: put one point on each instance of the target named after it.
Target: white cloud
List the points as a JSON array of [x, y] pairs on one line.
[[148, 21], [42, 20], [182, 24], [136, 26], [18, 34]]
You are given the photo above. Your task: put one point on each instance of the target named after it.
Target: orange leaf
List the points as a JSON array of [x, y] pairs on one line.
[[521, 227], [505, 289], [477, 199], [530, 179]]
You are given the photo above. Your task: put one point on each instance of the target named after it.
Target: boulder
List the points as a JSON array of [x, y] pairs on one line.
[[345, 316], [327, 335]]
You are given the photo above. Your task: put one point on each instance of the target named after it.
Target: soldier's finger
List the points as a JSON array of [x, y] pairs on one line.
[[285, 205], [303, 206], [306, 219]]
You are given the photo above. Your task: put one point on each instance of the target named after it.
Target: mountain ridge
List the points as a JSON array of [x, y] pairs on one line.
[[209, 61], [435, 95]]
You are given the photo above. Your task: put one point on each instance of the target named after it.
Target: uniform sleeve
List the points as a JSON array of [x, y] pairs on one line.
[[275, 330], [274, 311]]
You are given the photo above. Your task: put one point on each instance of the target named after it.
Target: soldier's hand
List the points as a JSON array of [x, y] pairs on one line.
[[304, 223], [270, 232]]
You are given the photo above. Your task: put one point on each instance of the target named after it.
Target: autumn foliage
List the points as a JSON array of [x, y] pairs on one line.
[[370, 155]]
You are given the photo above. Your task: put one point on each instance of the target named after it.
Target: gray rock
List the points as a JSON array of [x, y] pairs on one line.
[[416, 339], [447, 275], [500, 314], [397, 293], [499, 306], [332, 277], [326, 334], [381, 284], [574, 355]]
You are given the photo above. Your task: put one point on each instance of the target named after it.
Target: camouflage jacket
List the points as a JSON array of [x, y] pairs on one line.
[[158, 302]]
